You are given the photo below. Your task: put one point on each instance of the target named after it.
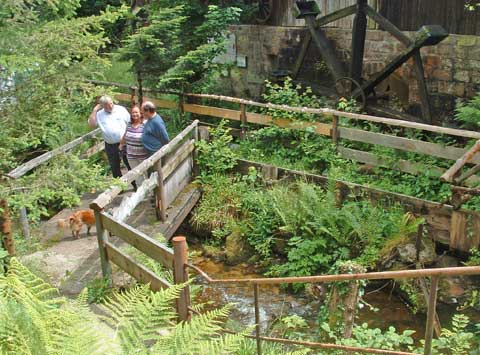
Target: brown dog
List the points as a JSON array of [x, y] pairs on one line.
[[77, 220]]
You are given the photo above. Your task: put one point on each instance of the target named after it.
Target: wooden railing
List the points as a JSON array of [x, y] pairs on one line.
[[332, 128], [21, 170], [171, 170]]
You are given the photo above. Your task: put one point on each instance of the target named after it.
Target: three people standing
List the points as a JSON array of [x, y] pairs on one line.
[[141, 139]]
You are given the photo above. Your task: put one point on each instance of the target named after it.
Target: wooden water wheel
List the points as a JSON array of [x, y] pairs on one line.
[[264, 10]]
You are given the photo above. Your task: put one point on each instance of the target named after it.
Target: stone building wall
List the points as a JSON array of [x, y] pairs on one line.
[[452, 68]]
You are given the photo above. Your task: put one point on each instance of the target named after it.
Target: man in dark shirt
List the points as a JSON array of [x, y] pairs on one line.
[[155, 134]]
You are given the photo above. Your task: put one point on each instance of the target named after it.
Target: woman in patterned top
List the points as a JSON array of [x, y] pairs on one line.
[[132, 138]]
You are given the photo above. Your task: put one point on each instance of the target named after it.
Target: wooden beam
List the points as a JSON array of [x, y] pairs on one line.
[[160, 103], [257, 118], [334, 16], [387, 26], [24, 168], [422, 87], [182, 153], [212, 111], [180, 211], [465, 158], [97, 148], [157, 251], [358, 41], [301, 55], [326, 48], [406, 144], [137, 271]]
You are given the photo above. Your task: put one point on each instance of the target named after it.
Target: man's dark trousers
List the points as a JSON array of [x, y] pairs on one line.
[[113, 155]]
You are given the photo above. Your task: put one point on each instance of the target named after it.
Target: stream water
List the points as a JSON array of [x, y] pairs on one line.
[[275, 302]]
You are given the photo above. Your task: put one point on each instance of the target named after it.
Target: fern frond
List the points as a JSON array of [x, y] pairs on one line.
[[138, 313], [188, 338]]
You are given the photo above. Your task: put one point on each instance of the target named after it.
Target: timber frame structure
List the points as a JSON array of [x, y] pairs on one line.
[[352, 84]]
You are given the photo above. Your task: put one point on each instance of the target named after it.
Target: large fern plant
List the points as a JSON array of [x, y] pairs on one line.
[[34, 319]]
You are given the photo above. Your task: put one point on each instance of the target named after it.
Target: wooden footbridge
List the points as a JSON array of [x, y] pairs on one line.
[[172, 170]]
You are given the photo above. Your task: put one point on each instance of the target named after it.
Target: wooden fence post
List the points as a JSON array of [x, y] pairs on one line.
[[160, 206], [243, 120], [334, 130], [24, 222], [6, 228], [102, 238], [180, 275]]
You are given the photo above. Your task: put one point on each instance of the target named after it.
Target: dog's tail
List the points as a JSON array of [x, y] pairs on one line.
[[63, 223]]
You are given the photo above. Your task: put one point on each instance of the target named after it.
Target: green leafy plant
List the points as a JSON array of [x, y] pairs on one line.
[[468, 114], [98, 289], [215, 156]]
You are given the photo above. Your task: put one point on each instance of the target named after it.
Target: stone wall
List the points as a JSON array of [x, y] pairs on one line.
[[452, 68]]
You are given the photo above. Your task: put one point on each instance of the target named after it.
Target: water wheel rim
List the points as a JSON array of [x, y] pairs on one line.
[[264, 10]]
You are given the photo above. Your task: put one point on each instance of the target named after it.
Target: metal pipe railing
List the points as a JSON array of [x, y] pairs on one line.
[[435, 274]]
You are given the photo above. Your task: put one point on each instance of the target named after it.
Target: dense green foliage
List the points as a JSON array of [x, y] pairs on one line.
[[175, 42], [46, 52], [306, 150], [35, 320]]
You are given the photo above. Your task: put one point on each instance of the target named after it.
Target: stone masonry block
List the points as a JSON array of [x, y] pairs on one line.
[[466, 41], [441, 74], [462, 75]]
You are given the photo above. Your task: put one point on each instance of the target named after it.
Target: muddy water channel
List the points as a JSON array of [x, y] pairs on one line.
[[275, 302]]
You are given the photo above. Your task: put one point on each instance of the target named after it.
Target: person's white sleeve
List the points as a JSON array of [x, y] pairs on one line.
[[126, 115]]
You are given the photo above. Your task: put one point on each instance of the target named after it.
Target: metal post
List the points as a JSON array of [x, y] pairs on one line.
[[24, 222], [160, 206], [257, 320], [243, 120], [102, 237], [180, 275], [432, 305]]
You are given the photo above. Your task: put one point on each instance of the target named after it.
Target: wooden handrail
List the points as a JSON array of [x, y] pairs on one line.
[[21, 170], [106, 197], [356, 116], [383, 275]]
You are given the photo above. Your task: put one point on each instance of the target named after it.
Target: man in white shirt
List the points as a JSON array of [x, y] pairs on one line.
[[112, 120]]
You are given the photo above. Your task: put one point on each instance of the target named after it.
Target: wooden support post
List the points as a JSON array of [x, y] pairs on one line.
[[243, 120], [301, 56], [432, 305], [334, 130], [180, 276], [160, 207], [358, 41], [24, 222], [450, 174], [422, 88], [257, 319], [196, 137], [102, 237], [6, 228], [326, 48]]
